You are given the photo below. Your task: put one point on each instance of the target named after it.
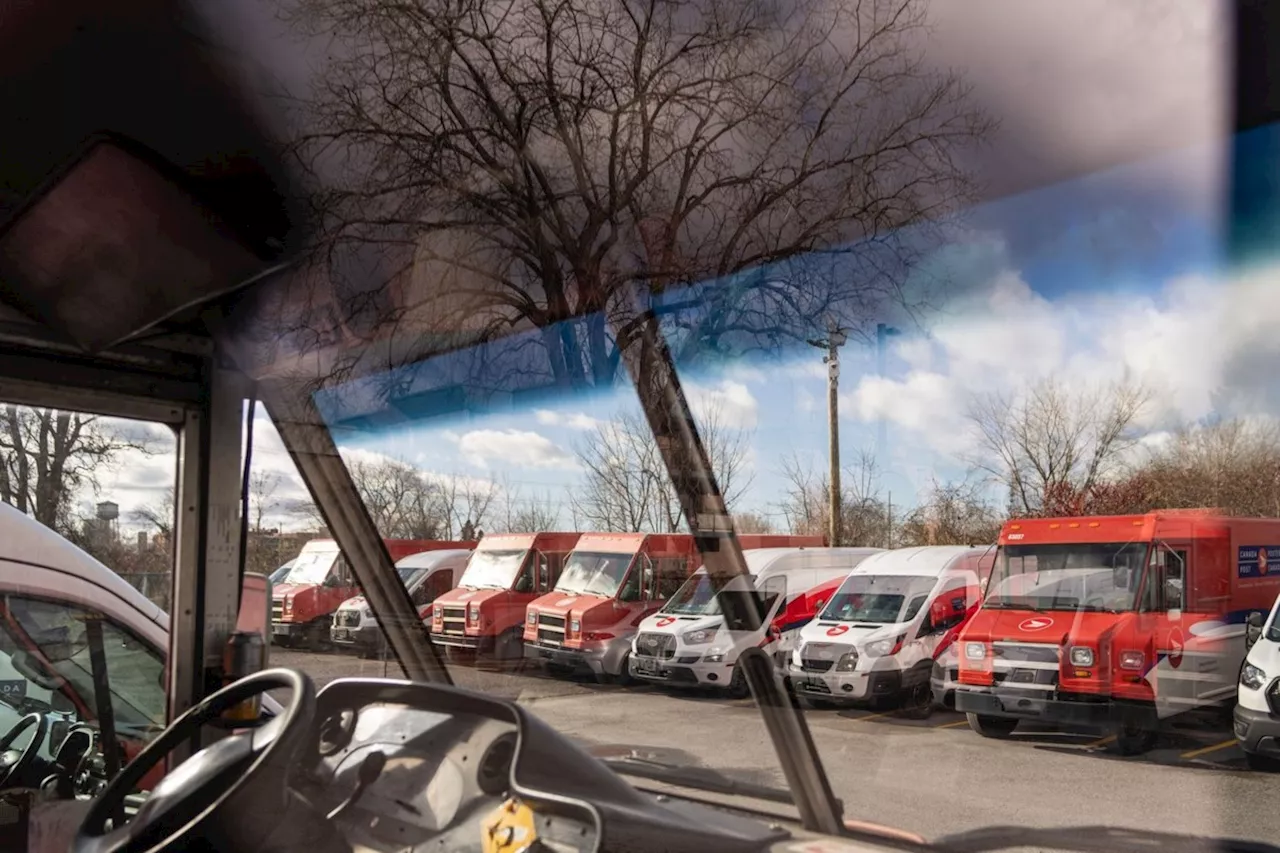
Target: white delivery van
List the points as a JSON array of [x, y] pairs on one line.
[[1257, 711], [685, 643], [48, 587], [426, 575], [876, 638]]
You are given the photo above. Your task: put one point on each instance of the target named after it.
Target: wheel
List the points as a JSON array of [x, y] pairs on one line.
[[1134, 738], [738, 687], [510, 646], [317, 638], [1263, 763], [917, 702], [993, 727]]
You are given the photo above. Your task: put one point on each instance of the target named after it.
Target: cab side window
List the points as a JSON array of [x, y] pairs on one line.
[[670, 572], [773, 592], [46, 665], [437, 585], [1166, 581]]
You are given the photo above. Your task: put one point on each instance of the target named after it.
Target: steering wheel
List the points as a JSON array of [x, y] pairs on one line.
[[15, 762], [237, 784]]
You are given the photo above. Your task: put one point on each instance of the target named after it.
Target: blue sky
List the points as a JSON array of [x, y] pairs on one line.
[[1118, 273]]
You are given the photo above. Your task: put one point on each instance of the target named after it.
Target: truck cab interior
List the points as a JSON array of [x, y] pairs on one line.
[[159, 261]]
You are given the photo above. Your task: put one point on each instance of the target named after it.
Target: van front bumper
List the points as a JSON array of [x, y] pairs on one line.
[[682, 671], [856, 686], [364, 638], [1257, 731]]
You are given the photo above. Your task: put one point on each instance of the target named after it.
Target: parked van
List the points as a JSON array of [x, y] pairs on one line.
[[426, 575], [876, 638], [685, 644], [1257, 711], [49, 589]]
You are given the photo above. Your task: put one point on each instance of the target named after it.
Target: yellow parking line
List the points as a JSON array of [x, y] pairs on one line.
[[872, 716], [1102, 741], [954, 725], [1196, 753]]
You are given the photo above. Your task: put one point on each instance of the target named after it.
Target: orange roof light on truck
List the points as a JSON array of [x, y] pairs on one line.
[[1094, 619]]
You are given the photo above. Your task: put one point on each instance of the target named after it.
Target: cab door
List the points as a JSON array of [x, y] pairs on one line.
[[1190, 669]]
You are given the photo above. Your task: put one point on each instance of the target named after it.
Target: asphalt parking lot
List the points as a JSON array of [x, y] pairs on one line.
[[931, 776]]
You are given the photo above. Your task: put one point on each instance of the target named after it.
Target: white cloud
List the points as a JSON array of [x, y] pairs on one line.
[[1199, 344], [730, 402], [520, 448], [572, 420]]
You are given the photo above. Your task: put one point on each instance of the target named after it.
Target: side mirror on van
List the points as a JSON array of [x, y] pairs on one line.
[[1253, 629]]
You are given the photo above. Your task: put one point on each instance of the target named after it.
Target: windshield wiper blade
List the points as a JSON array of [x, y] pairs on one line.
[[703, 778], [1092, 839]]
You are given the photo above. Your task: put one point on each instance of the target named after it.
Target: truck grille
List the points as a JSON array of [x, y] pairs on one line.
[[277, 611], [454, 619], [346, 618], [651, 645], [1028, 665], [550, 629]]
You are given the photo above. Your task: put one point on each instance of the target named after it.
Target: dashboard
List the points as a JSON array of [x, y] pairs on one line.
[[399, 766]]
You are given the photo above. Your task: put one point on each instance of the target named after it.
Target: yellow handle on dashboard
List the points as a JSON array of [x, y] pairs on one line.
[[510, 829]]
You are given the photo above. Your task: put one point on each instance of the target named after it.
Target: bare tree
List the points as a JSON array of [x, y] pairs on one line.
[[263, 485], [1052, 439], [531, 516], [951, 514], [626, 486], [48, 456], [539, 156], [753, 522], [468, 503], [159, 516], [807, 504], [1231, 464]]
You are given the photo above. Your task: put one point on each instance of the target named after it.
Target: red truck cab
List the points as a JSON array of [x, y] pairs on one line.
[[484, 614], [610, 583], [303, 604], [1114, 621]]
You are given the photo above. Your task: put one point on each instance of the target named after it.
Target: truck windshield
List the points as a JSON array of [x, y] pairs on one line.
[[594, 574], [1102, 577], [881, 599], [493, 569], [311, 567]]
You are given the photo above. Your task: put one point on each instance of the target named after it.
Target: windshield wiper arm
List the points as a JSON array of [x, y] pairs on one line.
[[703, 778]]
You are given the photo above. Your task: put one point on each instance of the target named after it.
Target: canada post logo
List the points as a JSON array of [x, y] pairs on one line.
[[1035, 623], [1257, 561]]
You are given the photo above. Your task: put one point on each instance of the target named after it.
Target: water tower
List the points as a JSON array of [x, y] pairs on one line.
[[109, 518]]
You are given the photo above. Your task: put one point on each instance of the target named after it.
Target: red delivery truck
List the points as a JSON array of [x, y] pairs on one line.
[[1116, 621], [303, 604], [484, 614]]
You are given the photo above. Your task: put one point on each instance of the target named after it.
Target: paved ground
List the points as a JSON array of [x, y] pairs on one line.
[[934, 776]]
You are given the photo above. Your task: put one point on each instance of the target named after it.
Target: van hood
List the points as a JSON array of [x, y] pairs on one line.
[[849, 633], [353, 603], [674, 623]]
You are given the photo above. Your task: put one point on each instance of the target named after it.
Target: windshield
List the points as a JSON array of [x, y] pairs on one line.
[[1067, 577], [311, 567], [879, 599], [594, 574], [409, 575], [492, 569], [892, 274]]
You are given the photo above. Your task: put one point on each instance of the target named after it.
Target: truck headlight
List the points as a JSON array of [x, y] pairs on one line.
[[288, 605], [848, 662], [533, 617], [1081, 656], [575, 626], [474, 611], [716, 655], [1131, 660], [975, 651], [699, 637], [1252, 677]]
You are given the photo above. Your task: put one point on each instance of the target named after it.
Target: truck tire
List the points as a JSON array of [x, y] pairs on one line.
[[509, 646], [738, 687], [992, 727], [1134, 738]]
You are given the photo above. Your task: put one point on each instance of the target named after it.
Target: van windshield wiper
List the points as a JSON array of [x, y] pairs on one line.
[[703, 778]]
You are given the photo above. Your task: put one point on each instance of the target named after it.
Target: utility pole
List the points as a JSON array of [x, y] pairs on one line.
[[835, 339]]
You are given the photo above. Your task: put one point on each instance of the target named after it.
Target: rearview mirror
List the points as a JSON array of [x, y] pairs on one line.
[[1253, 629]]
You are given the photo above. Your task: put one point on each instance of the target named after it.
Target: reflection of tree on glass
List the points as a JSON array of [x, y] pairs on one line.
[[492, 569], [594, 574]]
